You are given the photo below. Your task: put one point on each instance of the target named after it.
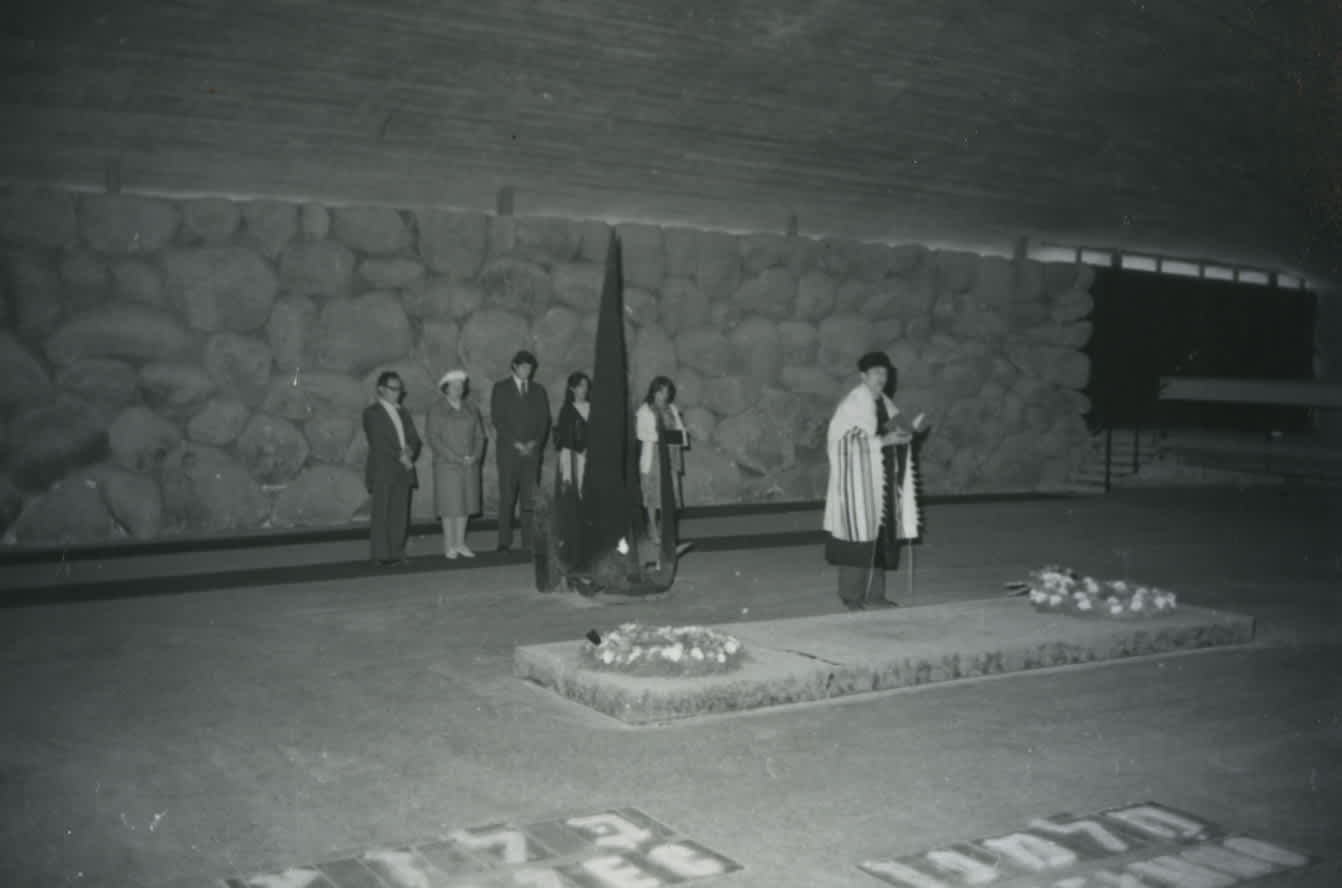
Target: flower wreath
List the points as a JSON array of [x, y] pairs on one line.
[[635, 649], [1054, 589]]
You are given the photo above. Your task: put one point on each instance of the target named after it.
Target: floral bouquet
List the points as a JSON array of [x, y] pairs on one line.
[[1054, 589], [636, 649]]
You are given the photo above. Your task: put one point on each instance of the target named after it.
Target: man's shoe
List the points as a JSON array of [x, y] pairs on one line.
[[854, 605], [882, 602]]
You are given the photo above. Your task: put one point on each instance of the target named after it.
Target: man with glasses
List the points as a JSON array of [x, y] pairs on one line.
[[389, 472]]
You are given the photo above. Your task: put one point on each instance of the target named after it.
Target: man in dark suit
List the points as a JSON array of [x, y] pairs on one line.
[[520, 412], [389, 471]]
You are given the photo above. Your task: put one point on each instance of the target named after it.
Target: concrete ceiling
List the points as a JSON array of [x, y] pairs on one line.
[[1206, 128]]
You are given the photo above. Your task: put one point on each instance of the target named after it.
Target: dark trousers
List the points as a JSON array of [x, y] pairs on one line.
[[518, 477], [389, 520], [862, 567], [858, 585]]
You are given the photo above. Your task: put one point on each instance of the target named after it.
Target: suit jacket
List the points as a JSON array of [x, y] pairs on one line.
[[383, 465], [516, 418]]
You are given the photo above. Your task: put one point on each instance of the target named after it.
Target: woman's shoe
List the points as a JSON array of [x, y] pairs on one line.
[[450, 553], [464, 551]]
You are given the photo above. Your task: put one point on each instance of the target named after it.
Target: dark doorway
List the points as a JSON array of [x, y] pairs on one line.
[[1149, 325]]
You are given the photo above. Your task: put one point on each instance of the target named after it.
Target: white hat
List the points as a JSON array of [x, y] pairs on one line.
[[453, 376]]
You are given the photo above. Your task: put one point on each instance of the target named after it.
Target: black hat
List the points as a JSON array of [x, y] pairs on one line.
[[874, 359], [525, 357]]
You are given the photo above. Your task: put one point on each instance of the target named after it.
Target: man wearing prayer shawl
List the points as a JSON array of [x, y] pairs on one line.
[[868, 506]]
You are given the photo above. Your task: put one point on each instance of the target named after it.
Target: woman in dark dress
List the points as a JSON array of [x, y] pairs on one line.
[[571, 442]]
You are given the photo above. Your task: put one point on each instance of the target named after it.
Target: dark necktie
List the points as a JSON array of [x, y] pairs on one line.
[[524, 389]]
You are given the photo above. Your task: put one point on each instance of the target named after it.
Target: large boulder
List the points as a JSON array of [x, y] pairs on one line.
[[133, 498], [453, 244], [640, 306], [442, 298], [220, 288], [219, 422], [287, 331], [815, 297], [547, 238], [683, 306], [272, 448], [314, 221], [306, 395], [719, 271], [798, 343], [755, 442], [377, 230], [329, 437], [711, 477], [842, 339], [206, 490], [771, 294], [398, 271], [239, 366], [317, 268], [175, 388], [682, 251], [560, 342], [732, 395], [118, 330], [760, 252], [38, 217], [1061, 366], [107, 383], [356, 334], [269, 225], [653, 354], [699, 423], [642, 258], [438, 349], [36, 294], [126, 223], [138, 281], [140, 440], [71, 511], [516, 285], [489, 339], [47, 440], [23, 379], [811, 380], [578, 284], [321, 495], [1072, 305], [86, 277], [1073, 335], [757, 349], [210, 220], [705, 349]]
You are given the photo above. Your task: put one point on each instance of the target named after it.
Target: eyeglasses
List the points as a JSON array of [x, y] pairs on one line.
[[394, 388]]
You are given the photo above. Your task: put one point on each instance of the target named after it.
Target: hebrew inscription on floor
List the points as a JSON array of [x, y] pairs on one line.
[[622, 848]]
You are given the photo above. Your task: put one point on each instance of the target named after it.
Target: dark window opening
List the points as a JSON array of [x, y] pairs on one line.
[[1148, 325]]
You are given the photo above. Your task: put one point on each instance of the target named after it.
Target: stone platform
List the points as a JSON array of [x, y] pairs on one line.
[[819, 658]]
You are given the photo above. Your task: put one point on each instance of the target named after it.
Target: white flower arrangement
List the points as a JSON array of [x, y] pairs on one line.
[[1054, 589], [636, 649]]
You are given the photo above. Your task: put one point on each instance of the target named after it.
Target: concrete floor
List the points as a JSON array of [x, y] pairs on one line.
[[181, 740]]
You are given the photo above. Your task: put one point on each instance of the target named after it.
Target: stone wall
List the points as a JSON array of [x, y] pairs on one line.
[[198, 366]]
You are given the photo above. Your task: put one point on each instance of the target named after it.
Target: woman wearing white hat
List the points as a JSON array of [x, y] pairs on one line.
[[456, 435]]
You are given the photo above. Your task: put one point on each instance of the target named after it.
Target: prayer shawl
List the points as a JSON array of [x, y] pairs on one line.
[[855, 495]]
